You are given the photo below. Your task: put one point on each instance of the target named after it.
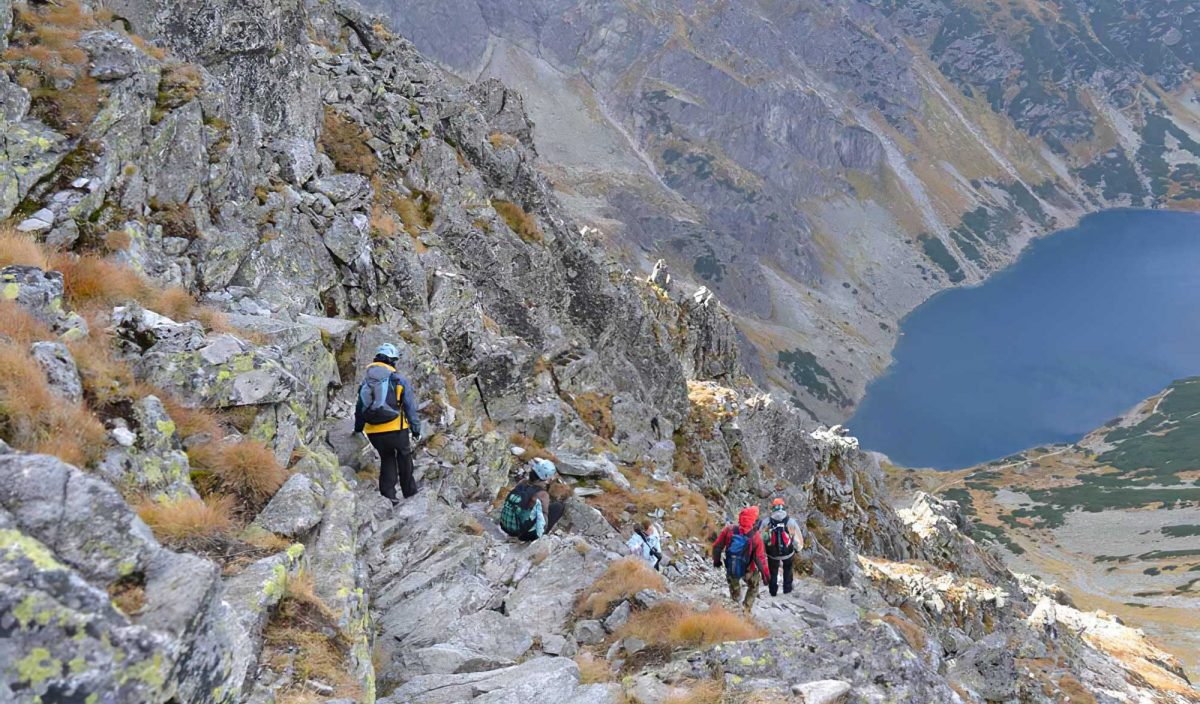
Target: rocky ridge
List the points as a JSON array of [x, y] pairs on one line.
[[313, 178], [826, 168]]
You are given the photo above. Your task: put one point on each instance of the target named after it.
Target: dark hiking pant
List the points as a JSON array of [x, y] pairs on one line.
[[395, 461], [774, 564], [556, 511]]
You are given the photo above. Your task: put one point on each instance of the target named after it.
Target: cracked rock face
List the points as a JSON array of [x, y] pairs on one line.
[[765, 152], [310, 177]]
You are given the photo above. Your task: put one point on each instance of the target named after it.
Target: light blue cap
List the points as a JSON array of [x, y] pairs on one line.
[[544, 468], [388, 350]]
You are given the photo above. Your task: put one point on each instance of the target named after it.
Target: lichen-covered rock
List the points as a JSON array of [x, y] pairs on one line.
[[41, 293], [216, 370], [295, 509], [63, 376], [30, 150], [989, 669], [155, 463], [539, 679], [873, 659], [67, 537], [251, 594]]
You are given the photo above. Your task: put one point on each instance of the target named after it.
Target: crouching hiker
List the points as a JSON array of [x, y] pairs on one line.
[[783, 541], [528, 512], [646, 543], [745, 556], [387, 413]]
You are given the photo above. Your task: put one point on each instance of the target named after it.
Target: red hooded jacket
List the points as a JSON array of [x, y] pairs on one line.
[[747, 525]]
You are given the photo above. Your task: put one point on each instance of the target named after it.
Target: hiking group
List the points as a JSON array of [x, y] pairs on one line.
[[748, 557], [387, 413]]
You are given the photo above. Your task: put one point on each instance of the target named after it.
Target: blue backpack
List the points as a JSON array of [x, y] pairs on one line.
[[738, 554], [375, 394]]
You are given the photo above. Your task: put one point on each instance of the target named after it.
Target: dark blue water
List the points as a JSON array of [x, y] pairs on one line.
[[1087, 323]]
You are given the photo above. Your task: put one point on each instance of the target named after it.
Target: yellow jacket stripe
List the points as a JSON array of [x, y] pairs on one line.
[[401, 421]]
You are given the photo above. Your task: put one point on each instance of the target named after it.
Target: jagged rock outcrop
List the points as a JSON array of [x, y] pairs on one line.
[[825, 169], [294, 185]]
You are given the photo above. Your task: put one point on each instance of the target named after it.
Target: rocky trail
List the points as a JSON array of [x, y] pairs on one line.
[[213, 213]]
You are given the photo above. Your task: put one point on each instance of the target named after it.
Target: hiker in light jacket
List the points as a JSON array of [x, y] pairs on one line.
[[646, 543]]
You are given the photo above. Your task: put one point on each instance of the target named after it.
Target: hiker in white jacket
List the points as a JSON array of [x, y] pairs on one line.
[[646, 543]]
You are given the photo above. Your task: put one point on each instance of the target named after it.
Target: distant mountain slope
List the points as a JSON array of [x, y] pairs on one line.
[[826, 167], [1115, 519]]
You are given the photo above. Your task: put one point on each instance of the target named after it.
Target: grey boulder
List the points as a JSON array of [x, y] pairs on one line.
[[61, 373]]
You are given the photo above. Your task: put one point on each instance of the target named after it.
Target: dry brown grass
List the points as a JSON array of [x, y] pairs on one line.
[[501, 139], [304, 625], [179, 85], [175, 521], [519, 221], [533, 448], [128, 594], [19, 326], [19, 249], [106, 379], [384, 222], [670, 624], [117, 240], [176, 219], [700, 692], [190, 422], [45, 44], [593, 669], [622, 579], [35, 419], [686, 511], [595, 410], [266, 540], [245, 468], [414, 217], [345, 143], [92, 281]]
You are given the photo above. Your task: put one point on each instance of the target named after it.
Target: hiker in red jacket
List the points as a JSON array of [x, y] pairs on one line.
[[745, 556]]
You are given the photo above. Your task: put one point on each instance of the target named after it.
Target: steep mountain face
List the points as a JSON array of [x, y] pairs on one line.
[[214, 212], [825, 167]]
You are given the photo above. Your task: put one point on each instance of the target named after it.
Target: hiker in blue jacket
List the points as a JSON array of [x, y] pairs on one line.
[[387, 413]]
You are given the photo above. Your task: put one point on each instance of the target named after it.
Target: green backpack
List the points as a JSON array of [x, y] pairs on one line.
[[519, 515]]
